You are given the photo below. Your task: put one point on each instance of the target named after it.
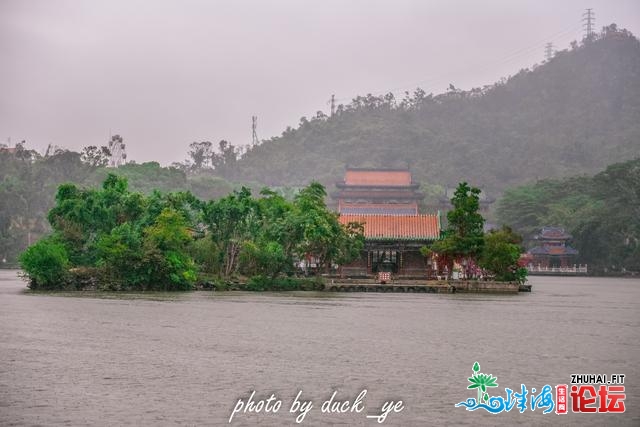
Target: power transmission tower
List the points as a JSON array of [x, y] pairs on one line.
[[548, 51], [589, 19], [254, 133], [118, 155], [333, 104]]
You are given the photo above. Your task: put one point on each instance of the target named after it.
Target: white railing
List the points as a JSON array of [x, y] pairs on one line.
[[575, 269]]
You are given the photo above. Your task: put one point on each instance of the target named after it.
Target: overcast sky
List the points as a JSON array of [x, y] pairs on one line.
[[166, 73]]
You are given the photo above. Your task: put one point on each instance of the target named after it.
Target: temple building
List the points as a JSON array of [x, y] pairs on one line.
[[377, 191], [552, 249], [385, 201], [392, 244]]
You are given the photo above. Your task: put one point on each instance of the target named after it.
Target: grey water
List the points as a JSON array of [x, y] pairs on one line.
[[186, 358]]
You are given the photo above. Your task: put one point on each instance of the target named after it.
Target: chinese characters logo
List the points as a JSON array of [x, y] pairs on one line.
[[588, 393]]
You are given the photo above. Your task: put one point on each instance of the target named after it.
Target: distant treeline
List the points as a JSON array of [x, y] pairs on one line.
[[602, 212]]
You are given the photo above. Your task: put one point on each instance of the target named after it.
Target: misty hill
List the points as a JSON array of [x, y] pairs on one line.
[[576, 113]]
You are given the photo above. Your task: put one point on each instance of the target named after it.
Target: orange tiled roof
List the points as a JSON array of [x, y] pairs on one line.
[[377, 177], [397, 227]]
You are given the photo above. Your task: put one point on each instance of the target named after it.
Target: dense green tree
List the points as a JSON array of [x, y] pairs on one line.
[[165, 259], [120, 254], [500, 255], [46, 263], [463, 238], [271, 251], [231, 221], [323, 237]]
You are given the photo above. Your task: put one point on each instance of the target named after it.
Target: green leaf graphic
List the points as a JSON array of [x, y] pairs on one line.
[[481, 381]]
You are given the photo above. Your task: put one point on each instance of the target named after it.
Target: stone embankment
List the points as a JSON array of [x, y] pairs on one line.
[[424, 286]]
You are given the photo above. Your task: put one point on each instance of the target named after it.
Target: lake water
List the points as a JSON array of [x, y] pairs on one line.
[[185, 359]]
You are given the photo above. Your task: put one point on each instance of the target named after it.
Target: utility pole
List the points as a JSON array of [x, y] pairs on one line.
[[548, 51], [254, 133], [589, 19]]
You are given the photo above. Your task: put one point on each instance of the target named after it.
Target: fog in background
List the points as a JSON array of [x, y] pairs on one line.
[[164, 74]]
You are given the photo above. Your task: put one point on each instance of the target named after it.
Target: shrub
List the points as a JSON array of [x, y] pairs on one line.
[[46, 264]]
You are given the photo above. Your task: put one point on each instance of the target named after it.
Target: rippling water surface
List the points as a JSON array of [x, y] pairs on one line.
[[185, 359]]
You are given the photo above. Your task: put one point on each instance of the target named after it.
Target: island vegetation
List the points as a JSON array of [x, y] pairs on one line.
[[116, 239]]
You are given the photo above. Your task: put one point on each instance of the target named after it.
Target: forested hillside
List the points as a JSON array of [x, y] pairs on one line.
[[602, 212], [576, 113]]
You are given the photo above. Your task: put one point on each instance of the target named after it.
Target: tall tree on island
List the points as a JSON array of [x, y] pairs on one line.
[[463, 239]]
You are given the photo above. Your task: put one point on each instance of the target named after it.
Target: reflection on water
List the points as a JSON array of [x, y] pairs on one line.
[[167, 358]]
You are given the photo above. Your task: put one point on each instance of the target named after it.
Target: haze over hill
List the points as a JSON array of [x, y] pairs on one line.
[[574, 114]]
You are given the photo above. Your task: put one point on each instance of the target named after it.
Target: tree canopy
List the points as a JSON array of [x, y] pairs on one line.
[[113, 238]]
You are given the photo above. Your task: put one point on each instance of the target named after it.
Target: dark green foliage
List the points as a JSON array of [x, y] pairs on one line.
[[115, 239], [463, 237], [500, 255], [264, 236], [601, 212], [130, 242], [121, 257], [321, 235], [46, 263], [164, 259]]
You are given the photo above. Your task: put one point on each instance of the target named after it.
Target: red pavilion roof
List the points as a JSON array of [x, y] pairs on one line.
[[395, 227]]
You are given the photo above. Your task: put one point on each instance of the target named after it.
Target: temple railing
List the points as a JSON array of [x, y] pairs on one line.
[[540, 269]]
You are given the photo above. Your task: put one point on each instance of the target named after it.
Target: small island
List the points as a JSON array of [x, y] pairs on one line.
[[113, 239]]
